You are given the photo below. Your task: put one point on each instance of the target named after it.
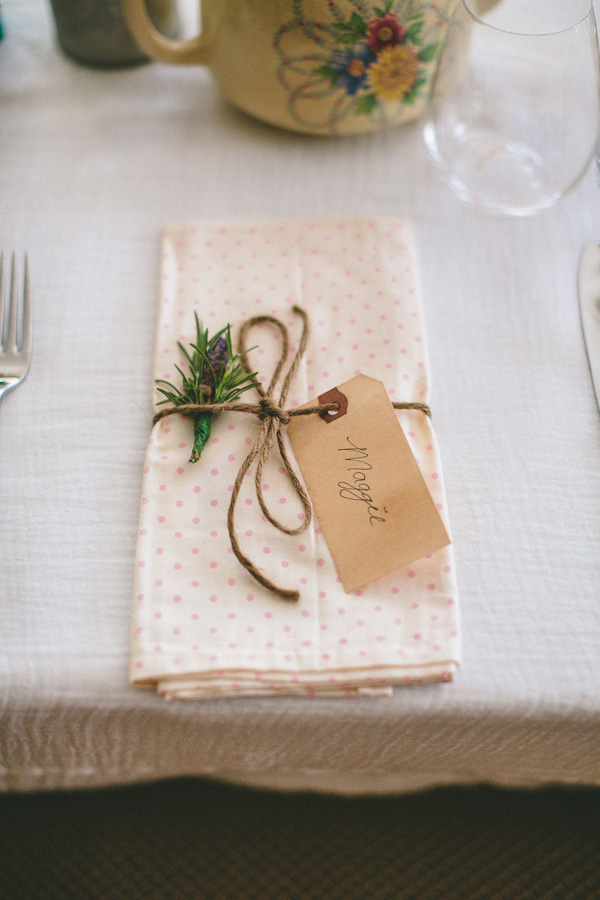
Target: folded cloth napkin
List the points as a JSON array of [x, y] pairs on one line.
[[202, 627]]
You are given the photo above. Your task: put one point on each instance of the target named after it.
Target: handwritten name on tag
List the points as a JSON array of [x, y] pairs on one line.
[[365, 485]]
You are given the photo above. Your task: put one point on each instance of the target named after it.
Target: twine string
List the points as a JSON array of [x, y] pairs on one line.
[[272, 414]]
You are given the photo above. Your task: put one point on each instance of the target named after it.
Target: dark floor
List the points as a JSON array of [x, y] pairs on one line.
[[207, 841]]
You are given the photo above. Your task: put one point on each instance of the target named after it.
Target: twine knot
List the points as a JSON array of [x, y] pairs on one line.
[[269, 409]]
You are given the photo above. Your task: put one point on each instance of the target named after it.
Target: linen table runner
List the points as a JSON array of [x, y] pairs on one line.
[[202, 627]]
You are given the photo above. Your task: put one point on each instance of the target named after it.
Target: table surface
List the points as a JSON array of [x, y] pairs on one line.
[[93, 165]]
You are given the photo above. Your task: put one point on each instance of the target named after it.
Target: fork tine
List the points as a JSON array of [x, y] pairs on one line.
[[11, 336], [26, 339]]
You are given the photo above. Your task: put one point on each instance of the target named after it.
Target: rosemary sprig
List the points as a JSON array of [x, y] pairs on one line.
[[216, 375]]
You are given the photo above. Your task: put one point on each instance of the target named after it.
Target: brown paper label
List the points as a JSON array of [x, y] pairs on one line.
[[365, 485]]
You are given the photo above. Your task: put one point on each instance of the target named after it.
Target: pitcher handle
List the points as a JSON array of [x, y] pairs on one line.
[[155, 44]]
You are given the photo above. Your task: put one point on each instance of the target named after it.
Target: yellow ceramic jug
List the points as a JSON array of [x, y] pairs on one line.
[[319, 66]]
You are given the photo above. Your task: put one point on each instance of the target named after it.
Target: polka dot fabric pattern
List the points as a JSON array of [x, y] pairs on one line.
[[201, 625]]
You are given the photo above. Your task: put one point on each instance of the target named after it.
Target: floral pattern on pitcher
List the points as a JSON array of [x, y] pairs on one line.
[[372, 59]]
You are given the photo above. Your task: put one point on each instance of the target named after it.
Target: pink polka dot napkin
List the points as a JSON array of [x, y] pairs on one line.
[[201, 626]]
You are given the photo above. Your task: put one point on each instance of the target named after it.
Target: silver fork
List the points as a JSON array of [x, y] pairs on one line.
[[15, 326]]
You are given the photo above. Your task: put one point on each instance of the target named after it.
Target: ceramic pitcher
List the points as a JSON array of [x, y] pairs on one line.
[[319, 66]]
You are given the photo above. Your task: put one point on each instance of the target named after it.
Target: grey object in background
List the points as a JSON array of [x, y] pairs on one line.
[[15, 326], [94, 32], [589, 308]]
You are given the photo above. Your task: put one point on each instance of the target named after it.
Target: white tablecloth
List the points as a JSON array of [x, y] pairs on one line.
[[93, 165]]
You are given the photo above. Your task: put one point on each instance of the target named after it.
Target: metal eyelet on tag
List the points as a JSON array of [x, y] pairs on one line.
[[334, 396]]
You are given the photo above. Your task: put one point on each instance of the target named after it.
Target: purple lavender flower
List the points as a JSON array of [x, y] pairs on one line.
[[217, 357]]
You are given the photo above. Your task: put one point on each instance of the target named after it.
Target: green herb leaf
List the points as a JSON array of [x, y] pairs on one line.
[[215, 375]]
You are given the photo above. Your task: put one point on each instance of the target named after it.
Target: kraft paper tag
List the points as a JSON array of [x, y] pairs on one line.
[[365, 485]]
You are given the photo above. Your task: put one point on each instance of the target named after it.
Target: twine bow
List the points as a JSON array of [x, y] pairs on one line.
[[272, 415]]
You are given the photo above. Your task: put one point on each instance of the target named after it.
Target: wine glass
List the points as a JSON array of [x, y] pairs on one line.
[[513, 116]]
